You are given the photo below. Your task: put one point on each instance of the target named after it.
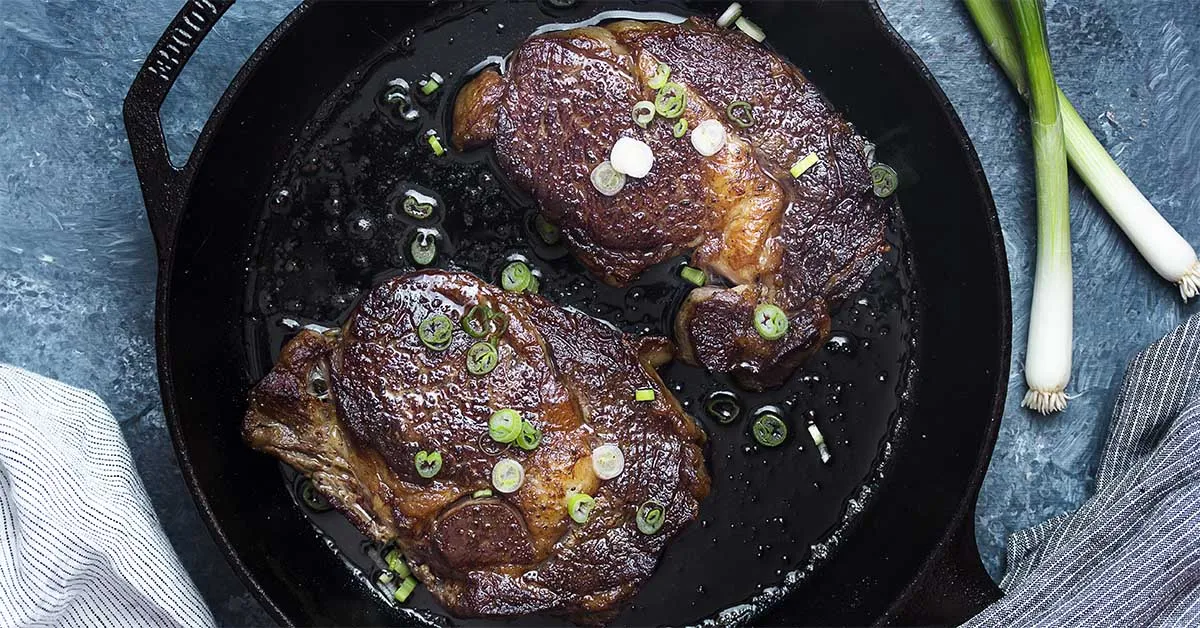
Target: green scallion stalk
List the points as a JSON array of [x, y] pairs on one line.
[[1048, 354], [1158, 242]]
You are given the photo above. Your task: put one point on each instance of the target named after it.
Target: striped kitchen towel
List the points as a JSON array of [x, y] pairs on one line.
[[80, 544], [1130, 556]]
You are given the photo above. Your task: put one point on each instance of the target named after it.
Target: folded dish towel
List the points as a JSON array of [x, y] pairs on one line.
[[80, 544], [1130, 556]]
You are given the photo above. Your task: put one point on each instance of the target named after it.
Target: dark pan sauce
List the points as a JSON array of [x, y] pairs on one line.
[[334, 227]]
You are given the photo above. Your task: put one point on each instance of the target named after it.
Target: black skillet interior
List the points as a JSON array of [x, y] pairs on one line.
[[244, 259]]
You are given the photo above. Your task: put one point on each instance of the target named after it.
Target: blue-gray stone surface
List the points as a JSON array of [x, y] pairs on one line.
[[77, 264]]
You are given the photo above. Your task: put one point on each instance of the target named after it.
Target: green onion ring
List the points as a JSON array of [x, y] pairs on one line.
[[723, 407], [516, 277], [475, 323], [416, 208], [530, 437], [435, 332], [661, 74], [741, 113], [423, 248], [671, 100], [580, 506], [504, 426], [489, 446], [313, 498], [549, 233], [883, 180], [650, 517], [643, 113], [769, 430], [428, 463], [482, 358], [680, 128], [770, 322]]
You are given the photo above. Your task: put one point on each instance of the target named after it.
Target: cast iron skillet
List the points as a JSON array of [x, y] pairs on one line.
[[910, 558]]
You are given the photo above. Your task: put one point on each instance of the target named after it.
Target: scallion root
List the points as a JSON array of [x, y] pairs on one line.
[[1189, 283], [1045, 402]]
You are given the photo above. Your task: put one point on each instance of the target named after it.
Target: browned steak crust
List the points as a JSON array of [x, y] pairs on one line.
[[390, 397], [800, 243]]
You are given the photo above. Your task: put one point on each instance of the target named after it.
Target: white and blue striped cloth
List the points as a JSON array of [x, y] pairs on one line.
[[1130, 556], [80, 544]]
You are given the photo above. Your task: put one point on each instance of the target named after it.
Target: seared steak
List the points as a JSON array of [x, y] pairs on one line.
[[798, 242], [352, 408]]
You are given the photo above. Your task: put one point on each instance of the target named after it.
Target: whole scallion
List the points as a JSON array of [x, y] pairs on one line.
[[1162, 246], [1048, 355]]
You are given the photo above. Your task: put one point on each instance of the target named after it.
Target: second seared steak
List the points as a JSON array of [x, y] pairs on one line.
[[801, 243], [352, 408]]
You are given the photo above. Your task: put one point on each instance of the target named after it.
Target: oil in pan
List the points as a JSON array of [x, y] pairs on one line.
[[373, 190]]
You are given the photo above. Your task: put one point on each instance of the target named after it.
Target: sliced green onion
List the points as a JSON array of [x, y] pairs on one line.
[[650, 517], [423, 248], [580, 506], [549, 233], [607, 180], [803, 164], [693, 275], [632, 157], [428, 463], [534, 285], [750, 29], [643, 113], [883, 180], [608, 461], [313, 498], [723, 407], [385, 576], [504, 426], [435, 332], [661, 74], [417, 209], [644, 394], [708, 138], [508, 475], [480, 322], [680, 128], [732, 13], [819, 440], [435, 143], [530, 437], [671, 100], [482, 358], [429, 86], [395, 563], [516, 277], [741, 113], [769, 430], [405, 589], [770, 321], [481, 493]]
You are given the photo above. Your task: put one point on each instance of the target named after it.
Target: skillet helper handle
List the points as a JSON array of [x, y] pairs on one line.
[[163, 185], [953, 587]]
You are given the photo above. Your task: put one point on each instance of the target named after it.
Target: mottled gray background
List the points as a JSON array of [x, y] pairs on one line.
[[77, 262]]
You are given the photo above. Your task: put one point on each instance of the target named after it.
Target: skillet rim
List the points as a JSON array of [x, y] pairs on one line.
[[166, 253]]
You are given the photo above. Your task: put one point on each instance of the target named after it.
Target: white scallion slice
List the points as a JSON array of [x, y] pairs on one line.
[[607, 180], [607, 461], [819, 440], [508, 475], [631, 157], [708, 138], [750, 29], [732, 13]]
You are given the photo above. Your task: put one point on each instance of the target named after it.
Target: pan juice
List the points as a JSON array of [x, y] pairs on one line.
[[364, 183]]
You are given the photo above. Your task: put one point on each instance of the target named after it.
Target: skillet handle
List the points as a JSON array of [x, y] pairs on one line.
[[163, 184], [952, 587]]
